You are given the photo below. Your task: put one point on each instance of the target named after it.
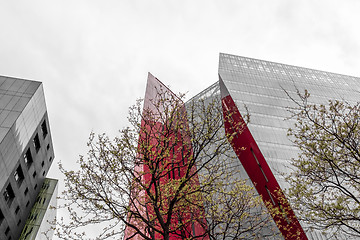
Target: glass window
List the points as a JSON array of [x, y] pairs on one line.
[[1, 217], [19, 175], [7, 231], [36, 142], [17, 209], [257, 161], [28, 158], [9, 194], [272, 199], [44, 129]]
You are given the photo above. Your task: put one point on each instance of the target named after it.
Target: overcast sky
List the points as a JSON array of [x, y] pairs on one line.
[[93, 56]]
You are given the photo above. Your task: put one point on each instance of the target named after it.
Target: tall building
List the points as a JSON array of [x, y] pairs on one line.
[[262, 88], [169, 143], [26, 153]]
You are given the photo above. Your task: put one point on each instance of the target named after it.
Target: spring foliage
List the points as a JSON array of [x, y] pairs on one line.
[[162, 177], [325, 186]]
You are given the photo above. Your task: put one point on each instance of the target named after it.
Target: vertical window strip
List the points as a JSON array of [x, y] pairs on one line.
[[271, 197], [257, 161]]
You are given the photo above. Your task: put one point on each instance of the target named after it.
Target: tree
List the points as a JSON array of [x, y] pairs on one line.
[[325, 183], [162, 178]]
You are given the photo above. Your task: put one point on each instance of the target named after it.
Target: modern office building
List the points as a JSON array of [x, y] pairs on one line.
[[263, 87], [26, 153], [154, 132]]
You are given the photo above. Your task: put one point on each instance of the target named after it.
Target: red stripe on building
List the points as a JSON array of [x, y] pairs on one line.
[[258, 170]]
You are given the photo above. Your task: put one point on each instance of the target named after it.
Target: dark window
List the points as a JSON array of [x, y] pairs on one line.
[[35, 186], [17, 210], [271, 197], [50, 159], [19, 222], [48, 146], [43, 173], [183, 156], [28, 158], [1, 217], [7, 231], [36, 142], [45, 186], [284, 213], [19, 175], [42, 164], [193, 226], [34, 174], [27, 232], [9, 194], [26, 191], [257, 161], [173, 170], [44, 129], [27, 204], [33, 216]]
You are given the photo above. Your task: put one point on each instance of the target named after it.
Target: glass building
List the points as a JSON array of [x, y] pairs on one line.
[[261, 148], [262, 89], [26, 152]]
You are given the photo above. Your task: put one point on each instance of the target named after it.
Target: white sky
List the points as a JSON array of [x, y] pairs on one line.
[[93, 56]]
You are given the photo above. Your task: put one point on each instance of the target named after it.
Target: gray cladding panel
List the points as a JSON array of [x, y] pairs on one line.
[[264, 88]]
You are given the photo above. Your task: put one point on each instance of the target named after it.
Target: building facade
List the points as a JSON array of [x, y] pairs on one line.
[[163, 160], [262, 89], [40, 223], [26, 152]]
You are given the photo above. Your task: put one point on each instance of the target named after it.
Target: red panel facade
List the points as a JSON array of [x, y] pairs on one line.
[[258, 170], [155, 133]]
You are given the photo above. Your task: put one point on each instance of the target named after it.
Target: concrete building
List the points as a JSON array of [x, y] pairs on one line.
[[26, 153]]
